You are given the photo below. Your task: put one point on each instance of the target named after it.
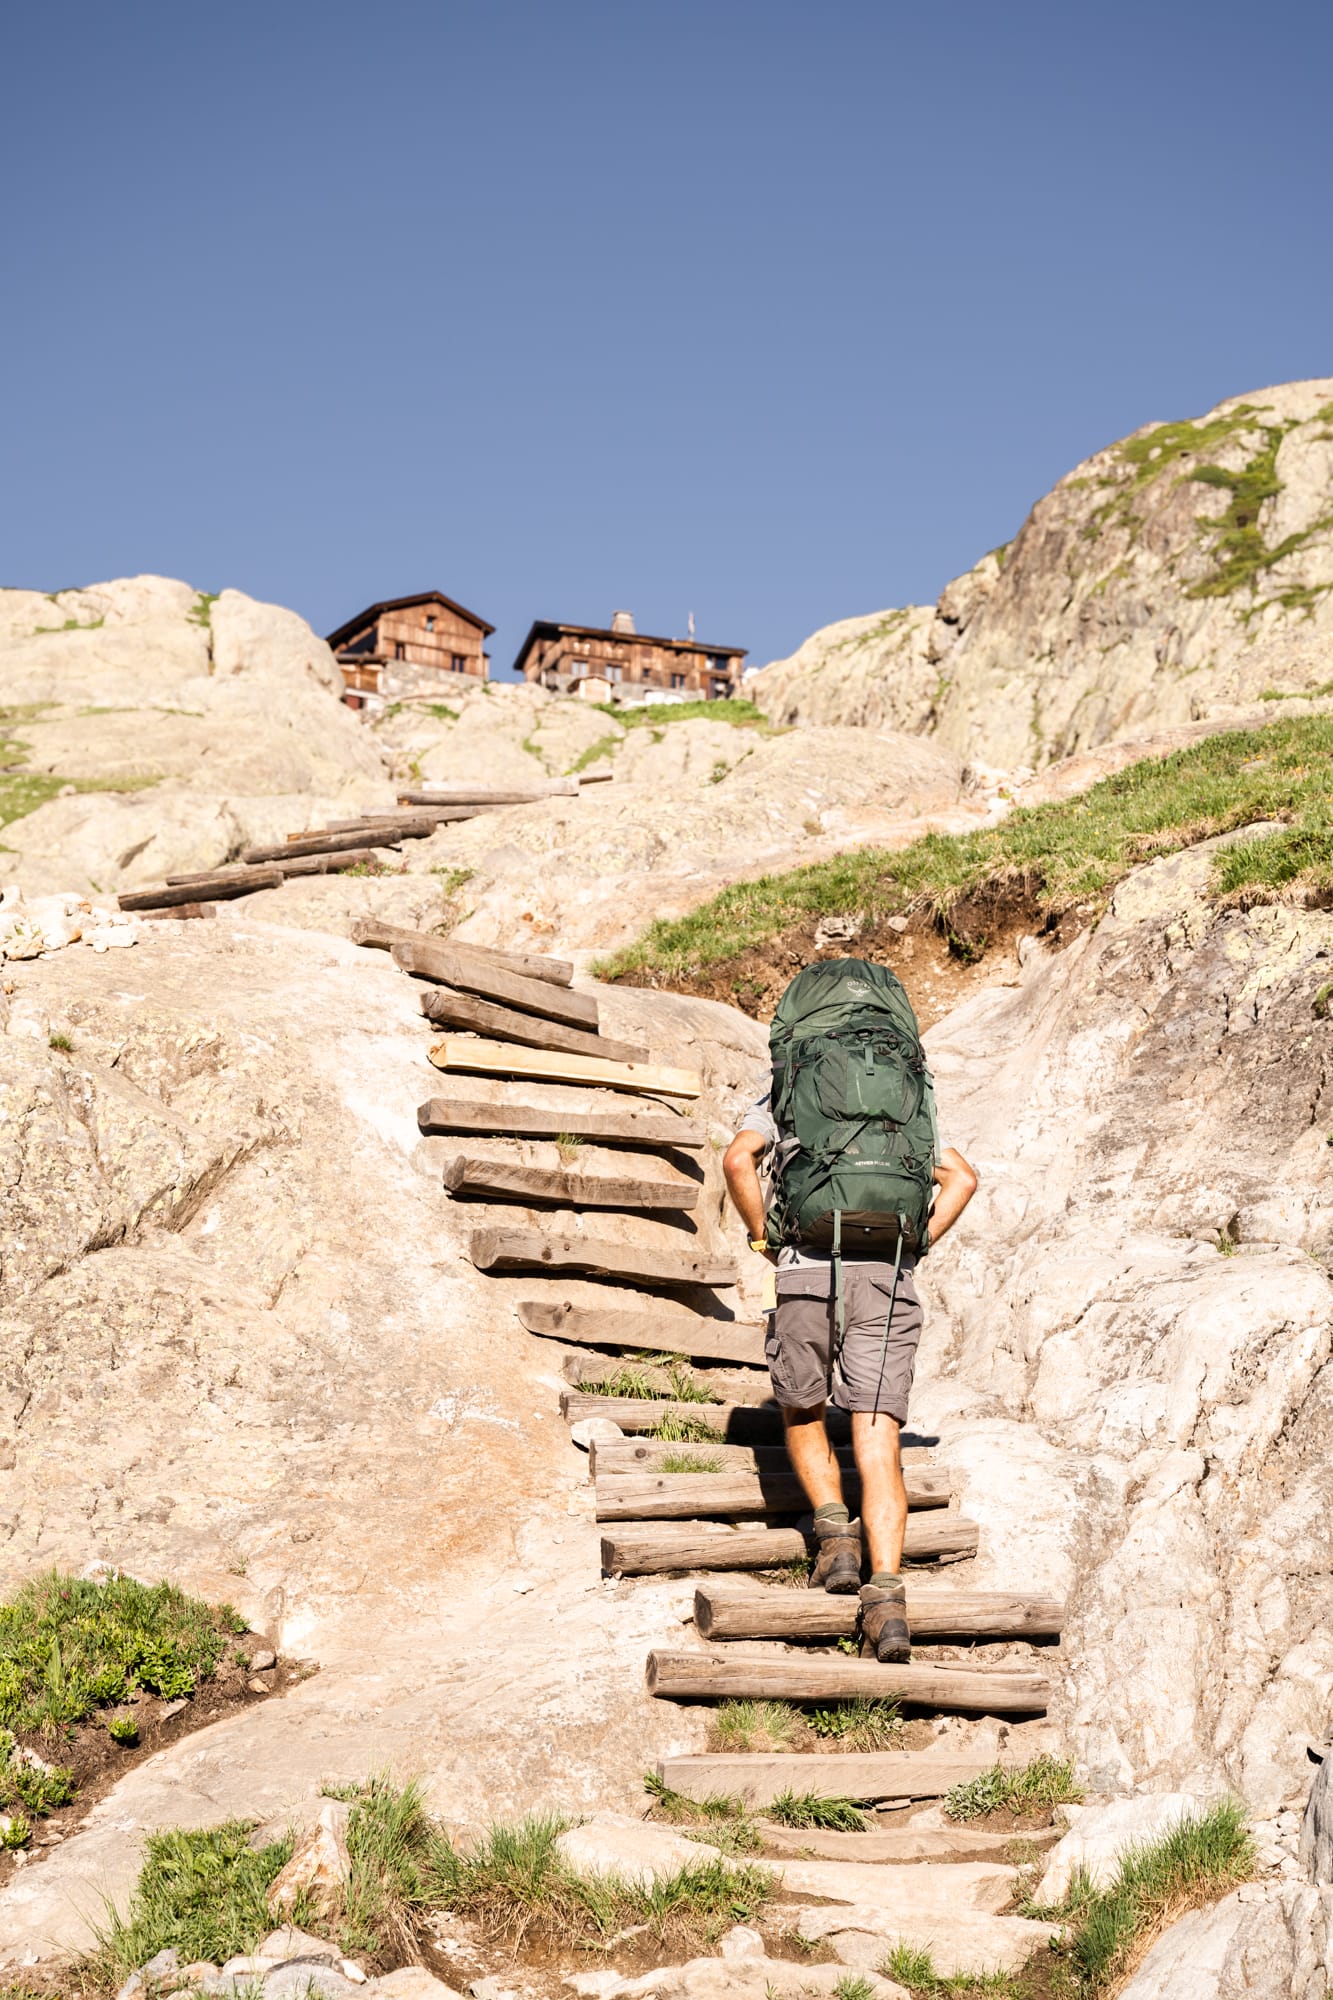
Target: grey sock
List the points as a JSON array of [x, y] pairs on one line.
[[882, 1577], [835, 1511]]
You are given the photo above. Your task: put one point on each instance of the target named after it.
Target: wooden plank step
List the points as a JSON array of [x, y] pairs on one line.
[[502, 1180], [470, 972], [379, 936], [836, 1677], [475, 795], [657, 1333], [315, 843], [447, 1009], [758, 1777], [692, 1496], [739, 1416], [654, 1548], [436, 816], [211, 888], [532, 1121], [747, 1611], [900, 1843], [625, 1455], [474, 1058], [532, 1249]]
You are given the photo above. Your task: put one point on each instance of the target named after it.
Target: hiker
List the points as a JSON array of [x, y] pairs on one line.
[[859, 1190]]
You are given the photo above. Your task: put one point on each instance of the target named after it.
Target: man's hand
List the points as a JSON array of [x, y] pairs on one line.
[[957, 1184], [740, 1164]]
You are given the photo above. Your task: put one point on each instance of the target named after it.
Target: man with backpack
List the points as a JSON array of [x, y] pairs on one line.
[[859, 1191]]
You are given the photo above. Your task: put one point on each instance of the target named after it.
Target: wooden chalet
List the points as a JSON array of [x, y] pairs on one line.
[[408, 646], [626, 663]]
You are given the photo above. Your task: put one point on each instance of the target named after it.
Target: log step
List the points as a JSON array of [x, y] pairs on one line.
[[531, 1249], [479, 1058], [472, 795], [202, 888], [447, 1009], [896, 1844], [467, 971], [834, 1677], [759, 1777], [316, 843], [741, 1611], [664, 1332], [378, 936], [531, 1121], [621, 1455], [653, 1549], [501, 1180], [685, 1496]]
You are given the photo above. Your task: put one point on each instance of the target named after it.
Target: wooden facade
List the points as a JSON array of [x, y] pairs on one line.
[[564, 657], [410, 646]]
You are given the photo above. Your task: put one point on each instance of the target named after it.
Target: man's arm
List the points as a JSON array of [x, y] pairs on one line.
[[740, 1164], [957, 1184]]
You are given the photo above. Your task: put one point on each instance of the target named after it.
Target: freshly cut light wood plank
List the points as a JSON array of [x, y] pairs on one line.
[[532, 1249], [686, 1496], [835, 1677], [652, 1549], [741, 1611], [470, 972], [503, 1181], [243, 882], [531, 1121], [374, 934], [317, 843], [743, 1417], [645, 1455], [448, 1009], [497, 1059], [472, 795], [596, 1326], [908, 1842], [759, 1777]]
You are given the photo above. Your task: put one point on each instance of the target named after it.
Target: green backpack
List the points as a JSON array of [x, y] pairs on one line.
[[851, 1088]]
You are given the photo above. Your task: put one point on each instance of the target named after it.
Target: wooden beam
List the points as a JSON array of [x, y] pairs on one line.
[[370, 931], [473, 1058], [655, 1549], [643, 1455], [758, 1777], [759, 1420], [474, 795], [471, 972], [691, 1496], [316, 843], [441, 816], [447, 1009], [747, 1611], [836, 1677], [533, 1249], [533, 1121], [666, 1332], [501, 1180], [300, 864], [203, 888]]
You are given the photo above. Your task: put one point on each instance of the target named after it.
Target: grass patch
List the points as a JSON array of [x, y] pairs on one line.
[[441, 711], [726, 1817], [1066, 854], [912, 1966], [21, 792], [68, 1647], [203, 1891], [604, 748], [453, 879], [854, 1986], [802, 1809], [743, 714], [756, 1725], [61, 1042], [636, 1386], [514, 1883], [569, 1146], [1037, 1787], [864, 1723], [683, 1430], [400, 1859], [692, 1461]]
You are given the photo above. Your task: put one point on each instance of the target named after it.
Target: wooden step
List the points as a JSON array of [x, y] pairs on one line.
[[435, 816], [317, 843], [899, 1843], [532, 1249], [476, 1058], [503, 1180], [203, 888], [666, 1331], [532, 1121], [687, 1496], [740, 1416], [653, 1549], [746, 1611], [473, 972], [646, 1455], [758, 1777], [379, 936], [476, 795], [836, 1677], [447, 1009]]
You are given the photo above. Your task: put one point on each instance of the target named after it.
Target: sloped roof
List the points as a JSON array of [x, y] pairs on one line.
[[374, 611], [547, 628]]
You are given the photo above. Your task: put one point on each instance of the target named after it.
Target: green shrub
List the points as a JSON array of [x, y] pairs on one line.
[[1036, 1787]]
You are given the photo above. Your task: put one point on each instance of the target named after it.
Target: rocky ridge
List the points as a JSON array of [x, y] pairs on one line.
[[1177, 576]]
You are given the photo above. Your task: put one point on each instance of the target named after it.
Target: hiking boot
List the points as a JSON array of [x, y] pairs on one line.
[[884, 1622], [838, 1563]]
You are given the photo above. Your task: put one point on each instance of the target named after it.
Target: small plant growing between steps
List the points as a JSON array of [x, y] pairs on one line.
[[692, 1461], [756, 1725], [721, 1819], [855, 1986], [569, 1147], [683, 1430], [865, 1723], [807, 1809], [1036, 1788]]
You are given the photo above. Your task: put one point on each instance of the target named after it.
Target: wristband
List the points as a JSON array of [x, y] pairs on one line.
[[758, 1243]]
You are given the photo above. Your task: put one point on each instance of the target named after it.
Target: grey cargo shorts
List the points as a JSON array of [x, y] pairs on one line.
[[874, 1372]]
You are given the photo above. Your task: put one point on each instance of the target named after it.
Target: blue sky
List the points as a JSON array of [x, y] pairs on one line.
[[771, 312]]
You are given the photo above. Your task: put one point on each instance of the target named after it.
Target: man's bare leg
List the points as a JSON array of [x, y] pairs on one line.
[[884, 1513], [838, 1564]]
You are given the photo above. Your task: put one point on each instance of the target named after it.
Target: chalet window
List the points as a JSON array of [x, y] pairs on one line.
[[457, 663], [677, 680], [399, 650], [430, 621], [613, 673], [578, 668]]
